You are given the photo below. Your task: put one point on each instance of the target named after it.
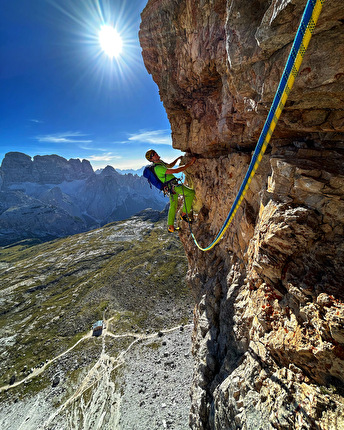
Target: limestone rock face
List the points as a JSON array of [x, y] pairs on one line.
[[45, 169], [269, 313], [218, 63], [16, 167]]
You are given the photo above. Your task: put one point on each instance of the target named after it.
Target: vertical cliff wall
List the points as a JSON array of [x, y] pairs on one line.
[[269, 314]]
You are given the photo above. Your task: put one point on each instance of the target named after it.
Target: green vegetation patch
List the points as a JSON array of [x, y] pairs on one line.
[[130, 273]]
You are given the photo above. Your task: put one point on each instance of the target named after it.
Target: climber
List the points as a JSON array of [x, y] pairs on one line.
[[165, 173]]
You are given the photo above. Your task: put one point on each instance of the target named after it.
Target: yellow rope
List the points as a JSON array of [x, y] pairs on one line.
[[301, 42]]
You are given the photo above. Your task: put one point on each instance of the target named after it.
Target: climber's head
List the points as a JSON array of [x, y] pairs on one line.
[[150, 154]]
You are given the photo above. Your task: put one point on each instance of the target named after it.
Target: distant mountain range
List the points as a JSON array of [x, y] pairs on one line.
[[48, 197], [137, 172]]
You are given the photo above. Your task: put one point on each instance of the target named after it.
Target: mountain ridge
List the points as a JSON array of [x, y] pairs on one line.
[[49, 196]]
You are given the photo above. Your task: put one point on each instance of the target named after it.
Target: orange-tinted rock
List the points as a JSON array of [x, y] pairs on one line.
[[269, 316]]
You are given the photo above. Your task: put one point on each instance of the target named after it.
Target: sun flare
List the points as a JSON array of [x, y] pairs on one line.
[[110, 41]]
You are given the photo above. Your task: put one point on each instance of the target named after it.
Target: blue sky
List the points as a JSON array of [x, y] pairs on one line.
[[60, 92]]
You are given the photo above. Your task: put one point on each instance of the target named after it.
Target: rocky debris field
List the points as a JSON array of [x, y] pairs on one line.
[[151, 391], [54, 373], [156, 384]]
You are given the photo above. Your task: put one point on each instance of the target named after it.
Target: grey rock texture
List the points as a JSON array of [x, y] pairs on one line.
[[44, 169], [156, 384]]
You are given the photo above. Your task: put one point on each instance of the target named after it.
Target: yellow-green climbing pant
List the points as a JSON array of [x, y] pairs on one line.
[[188, 195]]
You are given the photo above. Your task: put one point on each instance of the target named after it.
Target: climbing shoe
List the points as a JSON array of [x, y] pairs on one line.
[[173, 229], [186, 218]]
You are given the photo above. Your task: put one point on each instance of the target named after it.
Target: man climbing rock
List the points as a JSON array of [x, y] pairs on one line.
[[165, 172]]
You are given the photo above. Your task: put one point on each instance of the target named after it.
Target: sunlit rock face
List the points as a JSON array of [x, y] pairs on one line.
[[269, 314]]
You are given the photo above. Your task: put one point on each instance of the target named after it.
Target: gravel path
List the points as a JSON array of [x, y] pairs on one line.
[[151, 392]]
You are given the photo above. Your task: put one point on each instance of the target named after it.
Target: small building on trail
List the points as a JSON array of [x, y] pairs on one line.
[[97, 328]]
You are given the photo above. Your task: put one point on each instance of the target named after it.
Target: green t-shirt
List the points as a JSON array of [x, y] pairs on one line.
[[160, 170]]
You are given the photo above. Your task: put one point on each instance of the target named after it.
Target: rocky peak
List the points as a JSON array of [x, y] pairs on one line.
[[17, 167], [109, 171], [269, 311]]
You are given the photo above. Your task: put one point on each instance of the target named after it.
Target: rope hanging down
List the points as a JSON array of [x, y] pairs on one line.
[[301, 41]]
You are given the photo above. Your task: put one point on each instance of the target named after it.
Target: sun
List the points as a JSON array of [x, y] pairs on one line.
[[110, 41]]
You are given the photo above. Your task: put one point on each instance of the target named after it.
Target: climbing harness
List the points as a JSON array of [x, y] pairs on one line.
[[300, 44], [167, 187]]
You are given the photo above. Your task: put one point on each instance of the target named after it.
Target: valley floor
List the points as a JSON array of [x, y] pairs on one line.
[[150, 390], [136, 376]]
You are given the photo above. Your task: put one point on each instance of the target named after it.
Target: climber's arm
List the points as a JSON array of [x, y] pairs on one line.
[[181, 168]]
